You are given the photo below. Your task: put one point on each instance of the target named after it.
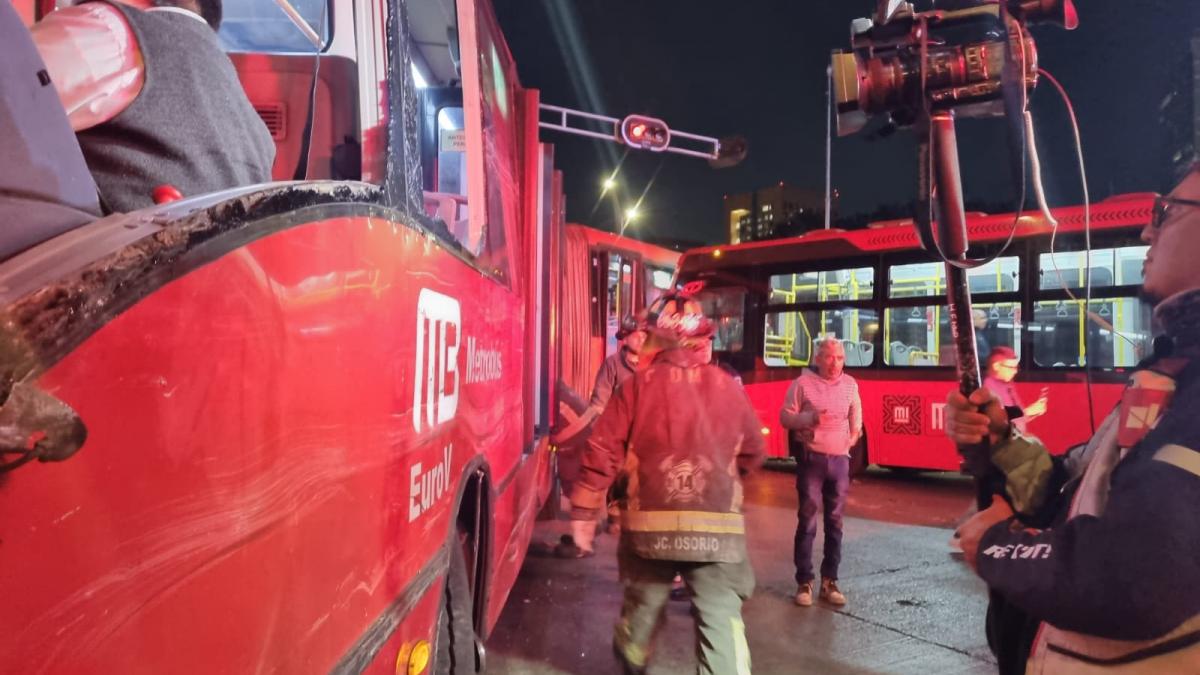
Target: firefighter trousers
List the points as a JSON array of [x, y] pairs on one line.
[[717, 592]]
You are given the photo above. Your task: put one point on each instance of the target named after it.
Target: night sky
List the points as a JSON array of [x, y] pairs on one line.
[[757, 68]]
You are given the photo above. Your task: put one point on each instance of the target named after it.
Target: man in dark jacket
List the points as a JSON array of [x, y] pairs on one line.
[[685, 434], [153, 99], [620, 366], [1100, 570]]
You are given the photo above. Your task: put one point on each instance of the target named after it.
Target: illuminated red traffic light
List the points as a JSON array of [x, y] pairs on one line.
[[645, 133]]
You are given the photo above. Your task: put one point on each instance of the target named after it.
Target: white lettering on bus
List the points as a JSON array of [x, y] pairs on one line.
[[425, 488], [483, 365], [937, 416], [435, 377]]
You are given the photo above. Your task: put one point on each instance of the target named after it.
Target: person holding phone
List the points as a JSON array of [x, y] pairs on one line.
[[1002, 367]]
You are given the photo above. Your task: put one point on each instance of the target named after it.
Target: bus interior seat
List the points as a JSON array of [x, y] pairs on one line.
[[866, 353], [45, 186], [278, 86], [899, 353], [850, 349]]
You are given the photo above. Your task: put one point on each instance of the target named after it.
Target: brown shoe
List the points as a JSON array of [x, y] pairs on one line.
[[804, 595], [831, 594]]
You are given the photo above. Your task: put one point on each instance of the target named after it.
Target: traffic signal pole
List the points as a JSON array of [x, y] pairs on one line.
[[654, 134]]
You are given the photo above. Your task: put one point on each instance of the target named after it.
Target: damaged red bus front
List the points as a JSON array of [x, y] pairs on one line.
[[299, 426]]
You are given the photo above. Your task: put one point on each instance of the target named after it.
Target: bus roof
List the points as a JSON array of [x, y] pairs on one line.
[[1128, 210], [656, 256]]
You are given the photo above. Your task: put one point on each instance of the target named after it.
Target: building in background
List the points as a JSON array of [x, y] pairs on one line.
[[770, 213], [1179, 114]]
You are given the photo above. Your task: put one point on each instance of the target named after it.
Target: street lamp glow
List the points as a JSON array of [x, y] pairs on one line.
[[608, 184], [631, 213]]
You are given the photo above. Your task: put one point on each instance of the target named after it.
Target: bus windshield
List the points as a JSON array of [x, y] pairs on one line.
[[726, 307]]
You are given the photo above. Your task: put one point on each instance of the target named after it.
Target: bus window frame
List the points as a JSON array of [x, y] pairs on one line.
[[1035, 246], [758, 287]]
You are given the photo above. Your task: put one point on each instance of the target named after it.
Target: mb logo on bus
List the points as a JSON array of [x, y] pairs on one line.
[[435, 376]]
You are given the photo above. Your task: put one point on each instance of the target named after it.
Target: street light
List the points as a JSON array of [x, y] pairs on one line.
[[607, 185], [630, 214]]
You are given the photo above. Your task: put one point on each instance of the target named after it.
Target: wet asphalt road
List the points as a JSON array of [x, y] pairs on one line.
[[912, 607]]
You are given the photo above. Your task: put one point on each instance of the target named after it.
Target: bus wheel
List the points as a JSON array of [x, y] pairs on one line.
[[456, 627], [858, 457]]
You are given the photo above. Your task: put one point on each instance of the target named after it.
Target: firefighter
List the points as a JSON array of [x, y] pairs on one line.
[[618, 367], [685, 435]]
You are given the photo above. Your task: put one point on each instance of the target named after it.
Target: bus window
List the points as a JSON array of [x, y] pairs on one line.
[[620, 297], [657, 282], [920, 336], [1057, 331], [261, 26], [726, 307], [847, 284], [789, 338], [927, 279], [452, 152], [1110, 267], [446, 200]]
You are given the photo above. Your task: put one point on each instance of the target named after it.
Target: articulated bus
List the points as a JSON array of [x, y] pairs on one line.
[[300, 426], [605, 277], [883, 297]]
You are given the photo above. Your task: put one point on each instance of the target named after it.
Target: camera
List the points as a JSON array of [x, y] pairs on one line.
[[903, 62]]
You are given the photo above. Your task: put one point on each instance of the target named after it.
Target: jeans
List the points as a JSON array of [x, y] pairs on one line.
[[822, 481]]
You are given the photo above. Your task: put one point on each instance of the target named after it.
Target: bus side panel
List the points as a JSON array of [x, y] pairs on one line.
[[275, 444], [905, 420], [418, 624], [767, 399], [516, 508]]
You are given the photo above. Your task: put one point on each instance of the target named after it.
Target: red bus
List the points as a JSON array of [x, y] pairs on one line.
[[605, 278], [300, 426], [878, 293]]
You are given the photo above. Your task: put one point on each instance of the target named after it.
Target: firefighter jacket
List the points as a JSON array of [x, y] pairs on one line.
[[684, 434], [1112, 584]]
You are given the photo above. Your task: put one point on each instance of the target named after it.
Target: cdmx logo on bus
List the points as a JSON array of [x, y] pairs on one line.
[[435, 375]]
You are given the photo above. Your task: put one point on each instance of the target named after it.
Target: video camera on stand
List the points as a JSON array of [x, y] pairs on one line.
[[921, 70]]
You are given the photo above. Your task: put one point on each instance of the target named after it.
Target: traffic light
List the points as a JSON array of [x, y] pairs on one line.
[[645, 133]]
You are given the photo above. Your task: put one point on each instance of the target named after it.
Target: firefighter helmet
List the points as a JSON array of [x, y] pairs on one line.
[[629, 325], [678, 317]]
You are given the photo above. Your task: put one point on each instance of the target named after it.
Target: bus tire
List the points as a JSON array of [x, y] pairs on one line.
[[456, 639], [858, 457]]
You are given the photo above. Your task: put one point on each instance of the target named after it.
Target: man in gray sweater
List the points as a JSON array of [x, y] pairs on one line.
[[823, 412]]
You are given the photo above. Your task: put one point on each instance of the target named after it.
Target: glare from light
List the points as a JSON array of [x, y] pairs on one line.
[[631, 213], [418, 78], [608, 184], [717, 253]]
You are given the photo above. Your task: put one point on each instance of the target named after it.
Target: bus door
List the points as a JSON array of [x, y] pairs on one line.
[[613, 276]]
